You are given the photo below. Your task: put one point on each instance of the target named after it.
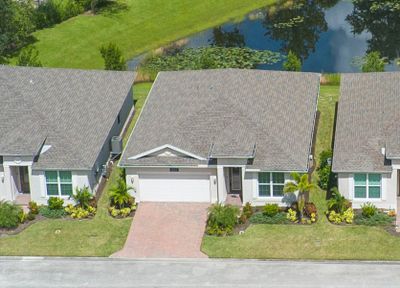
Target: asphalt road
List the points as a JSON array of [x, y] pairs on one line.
[[104, 272]]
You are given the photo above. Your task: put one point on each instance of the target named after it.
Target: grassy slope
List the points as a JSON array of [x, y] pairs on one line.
[[320, 241], [101, 236], [143, 25]]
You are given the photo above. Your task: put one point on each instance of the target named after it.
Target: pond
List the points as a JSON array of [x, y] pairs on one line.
[[328, 35]]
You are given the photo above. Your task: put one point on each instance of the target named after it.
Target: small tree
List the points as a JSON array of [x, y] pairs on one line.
[[373, 62], [293, 63], [301, 185], [113, 59], [29, 57]]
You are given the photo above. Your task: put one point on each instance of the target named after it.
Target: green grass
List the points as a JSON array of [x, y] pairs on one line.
[[322, 240], [319, 241], [329, 95], [142, 25], [100, 236]]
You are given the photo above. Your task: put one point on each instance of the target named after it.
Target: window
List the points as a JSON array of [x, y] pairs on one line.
[[367, 186], [270, 184], [58, 183]]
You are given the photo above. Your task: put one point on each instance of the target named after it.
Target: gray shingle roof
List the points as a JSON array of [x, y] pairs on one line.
[[367, 121], [71, 110], [226, 113]]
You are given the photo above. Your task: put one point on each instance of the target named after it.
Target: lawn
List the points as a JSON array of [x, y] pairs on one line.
[[136, 26], [319, 241], [101, 236]]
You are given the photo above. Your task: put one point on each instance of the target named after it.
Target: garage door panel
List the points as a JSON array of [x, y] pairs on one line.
[[178, 187]]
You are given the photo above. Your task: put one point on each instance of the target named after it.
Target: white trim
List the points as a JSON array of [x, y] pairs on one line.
[[166, 146]]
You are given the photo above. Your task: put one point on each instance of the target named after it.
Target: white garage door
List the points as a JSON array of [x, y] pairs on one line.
[[175, 187]]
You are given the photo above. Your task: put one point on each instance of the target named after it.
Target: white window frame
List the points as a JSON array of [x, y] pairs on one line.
[[58, 184], [271, 185], [367, 185]]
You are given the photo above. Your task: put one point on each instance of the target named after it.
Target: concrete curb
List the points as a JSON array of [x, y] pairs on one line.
[[196, 260]]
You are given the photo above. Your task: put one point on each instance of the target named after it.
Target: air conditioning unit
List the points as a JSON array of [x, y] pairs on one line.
[[116, 145]]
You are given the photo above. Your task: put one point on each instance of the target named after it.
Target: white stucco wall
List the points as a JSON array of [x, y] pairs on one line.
[[2, 186], [388, 198], [38, 185], [250, 191], [218, 185]]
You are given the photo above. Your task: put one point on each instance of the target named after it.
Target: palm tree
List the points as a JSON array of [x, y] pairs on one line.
[[119, 194], [301, 185], [337, 202]]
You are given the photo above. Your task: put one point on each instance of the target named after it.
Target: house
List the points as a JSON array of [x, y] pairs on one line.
[[366, 153], [219, 135], [56, 126]]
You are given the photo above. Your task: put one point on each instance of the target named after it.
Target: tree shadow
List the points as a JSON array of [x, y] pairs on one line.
[[111, 8]]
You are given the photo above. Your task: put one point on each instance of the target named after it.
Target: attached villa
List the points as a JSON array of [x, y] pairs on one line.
[[222, 135], [367, 140], [56, 126]]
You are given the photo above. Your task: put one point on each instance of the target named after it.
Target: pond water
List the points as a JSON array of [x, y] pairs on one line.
[[328, 35]]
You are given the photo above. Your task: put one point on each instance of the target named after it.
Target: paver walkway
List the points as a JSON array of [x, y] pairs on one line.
[[164, 230]]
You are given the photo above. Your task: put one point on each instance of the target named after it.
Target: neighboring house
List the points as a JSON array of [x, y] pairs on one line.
[[207, 135], [55, 128], [366, 153]]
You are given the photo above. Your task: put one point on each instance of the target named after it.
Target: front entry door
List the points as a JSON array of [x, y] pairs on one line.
[[235, 180], [24, 179]]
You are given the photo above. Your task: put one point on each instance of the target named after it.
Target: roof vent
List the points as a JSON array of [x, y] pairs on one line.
[[383, 151], [116, 145]]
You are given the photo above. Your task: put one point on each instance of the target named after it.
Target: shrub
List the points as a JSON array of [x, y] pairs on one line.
[[22, 216], [55, 203], [338, 218], [309, 209], [337, 202], [31, 216], [292, 215], [79, 212], [348, 216], [293, 63], [125, 212], [247, 210], [29, 57], [335, 217], [114, 211], [378, 219], [51, 213], [222, 219], [10, 215], [270, 210], [33, 207], [261, 218], [52, 12], [82, 197], [324, 169], [112, 56], [368, 209]]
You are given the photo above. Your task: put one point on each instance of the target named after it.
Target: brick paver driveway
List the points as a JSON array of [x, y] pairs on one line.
[[162, 230]]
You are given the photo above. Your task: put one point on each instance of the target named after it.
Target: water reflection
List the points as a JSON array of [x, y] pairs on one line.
[[326, 34], [382, 20], [298, 25]]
